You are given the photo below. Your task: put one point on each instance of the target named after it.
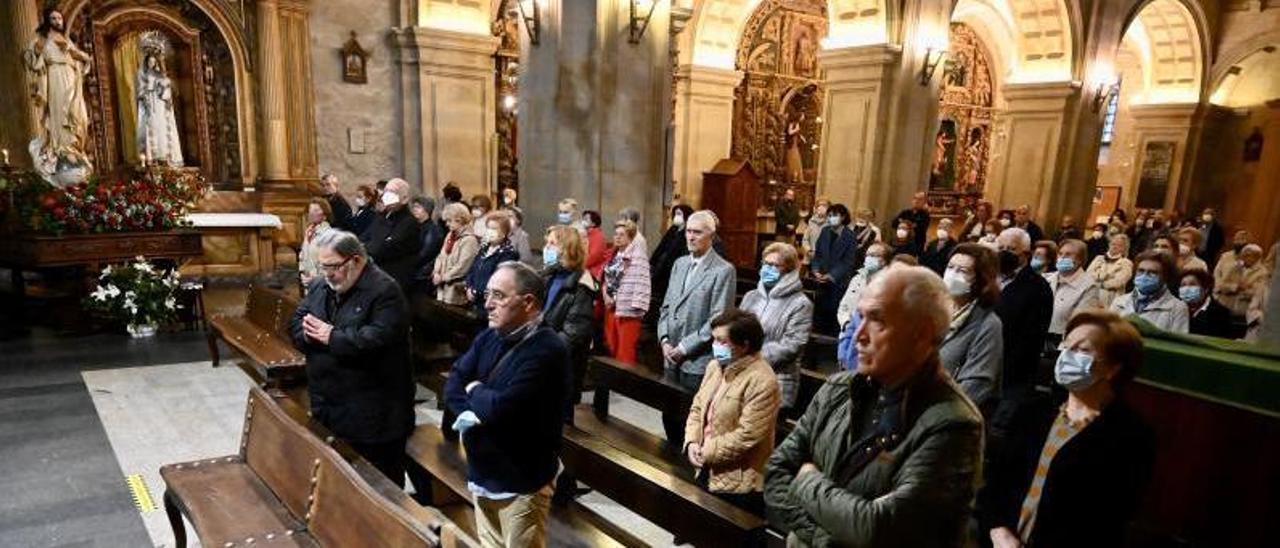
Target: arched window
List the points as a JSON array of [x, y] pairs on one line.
[[1109, 121]]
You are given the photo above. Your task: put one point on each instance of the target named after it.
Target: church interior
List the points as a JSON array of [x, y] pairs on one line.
[[177, 177]]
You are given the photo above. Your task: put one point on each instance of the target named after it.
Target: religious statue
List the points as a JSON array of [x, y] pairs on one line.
[[57, 69], [795, 165], [157, 128], [942, 170], [973, 158]]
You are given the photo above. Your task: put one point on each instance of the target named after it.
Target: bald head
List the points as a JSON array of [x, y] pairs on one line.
[[905, 312]]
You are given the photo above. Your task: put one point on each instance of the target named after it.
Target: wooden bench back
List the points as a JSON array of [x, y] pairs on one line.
[[347, 512], [317, 486], [281, 452], [270, 309]]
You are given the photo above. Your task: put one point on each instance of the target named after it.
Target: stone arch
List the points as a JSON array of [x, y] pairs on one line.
[[857, 23], [1170, 37], [1238, 54], [1032, 40]]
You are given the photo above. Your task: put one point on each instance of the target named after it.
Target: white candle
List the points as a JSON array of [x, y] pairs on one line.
[[5, 153]]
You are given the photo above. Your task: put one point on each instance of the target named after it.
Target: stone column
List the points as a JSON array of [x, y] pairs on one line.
[[1030, 161], [592, 114], [703, 125], [23, 18], [271, 87], [448, 89], [1176, 123], [856, 123]]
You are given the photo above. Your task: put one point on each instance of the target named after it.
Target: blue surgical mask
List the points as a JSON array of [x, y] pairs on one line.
[[550, 256], [721, 352], [564, 218], [873, 264], [1074, 370], [1146, 283], [1066, 264], [833, 220], [1190, 293], [769, 275], [1037, 263]]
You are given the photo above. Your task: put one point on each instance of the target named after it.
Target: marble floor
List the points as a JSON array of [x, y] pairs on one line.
[[79, 415]]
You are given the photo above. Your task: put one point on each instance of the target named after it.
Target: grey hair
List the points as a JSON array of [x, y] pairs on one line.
[[631, 214], [343, 243], [705, 216], [528, 281], [924, 296], [396, 183], [1122, 237], [1016, 235], [1252, 247], [426, 202]]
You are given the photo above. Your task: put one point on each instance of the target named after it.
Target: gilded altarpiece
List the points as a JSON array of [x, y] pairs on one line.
[[506, 73], [962, 143], [778, 105]]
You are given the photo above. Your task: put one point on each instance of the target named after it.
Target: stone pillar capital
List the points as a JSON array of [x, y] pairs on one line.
[[859, 57], [698, 80], [429, 46], [1039, 96]]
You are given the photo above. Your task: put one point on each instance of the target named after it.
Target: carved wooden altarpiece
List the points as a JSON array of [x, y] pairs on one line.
[[778, 106], [962, 143]]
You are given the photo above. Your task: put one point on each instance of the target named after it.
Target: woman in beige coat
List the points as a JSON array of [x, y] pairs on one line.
[[1112, 270], [459, 251], [729, 432]]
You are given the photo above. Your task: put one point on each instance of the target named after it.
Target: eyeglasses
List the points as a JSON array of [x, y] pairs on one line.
[[331, 268]]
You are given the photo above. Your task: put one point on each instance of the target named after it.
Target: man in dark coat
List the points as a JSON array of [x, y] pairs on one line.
[[393, 240], [341, 209], [1025, 310], [508, 392], [353, 327], [918, 214], [890, 455], [936, 255], [1211, 236], [1022, 219], [785, 217]]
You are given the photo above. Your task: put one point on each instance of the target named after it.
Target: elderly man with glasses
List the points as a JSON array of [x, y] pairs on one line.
[[353, 327], [508, 392]]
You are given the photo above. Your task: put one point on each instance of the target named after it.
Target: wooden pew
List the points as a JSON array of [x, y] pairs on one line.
[[657, 390], [445, 462], [285, 486], [262, 337], [672, 503]]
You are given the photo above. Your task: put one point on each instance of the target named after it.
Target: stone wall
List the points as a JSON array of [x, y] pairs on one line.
[[373, 109]]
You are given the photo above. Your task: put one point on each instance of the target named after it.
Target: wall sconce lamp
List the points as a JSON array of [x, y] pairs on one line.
[[932, 58], [529, 13], [641, 12], [1107, 88]]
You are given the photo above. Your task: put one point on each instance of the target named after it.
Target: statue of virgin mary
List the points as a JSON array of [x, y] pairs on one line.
[[157, 130]]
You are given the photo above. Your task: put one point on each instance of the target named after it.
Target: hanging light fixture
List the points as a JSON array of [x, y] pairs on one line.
[[932, 58], [530, 14], [641, 12]]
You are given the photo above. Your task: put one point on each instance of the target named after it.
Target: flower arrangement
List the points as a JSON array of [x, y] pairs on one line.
[[136, 293], [157, 198]]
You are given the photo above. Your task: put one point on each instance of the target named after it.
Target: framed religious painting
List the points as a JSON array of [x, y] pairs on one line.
[[355, 60]]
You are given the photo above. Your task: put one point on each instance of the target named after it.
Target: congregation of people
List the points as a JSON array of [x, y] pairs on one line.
[[981, 361]]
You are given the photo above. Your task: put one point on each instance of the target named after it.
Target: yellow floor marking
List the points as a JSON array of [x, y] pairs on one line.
[[141, 493]]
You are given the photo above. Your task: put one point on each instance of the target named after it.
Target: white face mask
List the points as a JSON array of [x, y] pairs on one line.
[[677, 220], [1005, 222], [943, 234], [902, 233], [492, 236], [390, 198], [1206, 218], [957, 284], [477, 212], [361, 202]]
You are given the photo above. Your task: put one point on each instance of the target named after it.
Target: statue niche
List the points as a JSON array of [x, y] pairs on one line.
[[162, 89]]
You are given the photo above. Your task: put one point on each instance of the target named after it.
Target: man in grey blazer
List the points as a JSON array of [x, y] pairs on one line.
[[701, 287]]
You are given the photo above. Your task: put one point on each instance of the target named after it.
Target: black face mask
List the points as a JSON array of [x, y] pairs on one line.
[[1008, 262]]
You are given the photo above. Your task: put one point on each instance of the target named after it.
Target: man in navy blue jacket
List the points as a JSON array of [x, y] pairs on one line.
[[508, 393]]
